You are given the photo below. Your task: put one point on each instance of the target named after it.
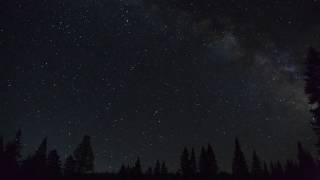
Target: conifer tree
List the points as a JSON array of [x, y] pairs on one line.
[[39, 159], [212, 164], [239, 165], [164, 169], [312, 86], [256, 165], [307, 164], [70, 166], [193, 162], [203, 162], [185, 163], [84, 157], [157, 168], [149, 171], [54, 163], [137, 169], [12, 154]]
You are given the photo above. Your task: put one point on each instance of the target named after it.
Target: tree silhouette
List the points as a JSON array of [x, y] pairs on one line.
[[54, 163], [1, 153], [256, 170], [157, 168], [312, 86], [149, 171], [239, 164], [211, 161], [307, 165], [203, 160], [164, 169], [12, 154], [266, 172], [137, 169], [39, 159], [84, 157], [193, 162], [185, 163], [70, 166]]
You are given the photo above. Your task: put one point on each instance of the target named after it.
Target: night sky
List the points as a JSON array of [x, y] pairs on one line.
[[146, 78]]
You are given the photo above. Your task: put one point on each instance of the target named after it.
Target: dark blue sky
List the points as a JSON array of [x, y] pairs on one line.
[[148, 78]]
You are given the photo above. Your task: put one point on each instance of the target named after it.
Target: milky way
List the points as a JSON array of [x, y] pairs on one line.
[[146, 78]]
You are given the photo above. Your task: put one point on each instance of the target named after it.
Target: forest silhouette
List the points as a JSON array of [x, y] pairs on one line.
[[47, 164]]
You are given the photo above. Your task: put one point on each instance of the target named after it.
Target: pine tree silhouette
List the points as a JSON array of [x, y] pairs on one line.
[[149, 171], [312, 86], [265, 169], [307, 164], [164, 169], [256, 170], [185, 163], [84, 157], [203, 162], [239, 164], [137, 169], [39, 159], [54, 163], [212, 164], [193, 163], [157, 168], [1, 153], [70, 166], [12, 154]]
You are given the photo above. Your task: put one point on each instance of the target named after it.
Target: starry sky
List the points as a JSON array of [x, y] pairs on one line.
[[148, 77]]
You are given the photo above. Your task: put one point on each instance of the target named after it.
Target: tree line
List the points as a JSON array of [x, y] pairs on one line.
[[44, 163]]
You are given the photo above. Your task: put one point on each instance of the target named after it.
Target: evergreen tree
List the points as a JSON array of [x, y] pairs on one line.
[[54, 163], [157, 168], [123, 170], [312, 86], [193, 162], [149, 171], [185, 163], [70, 166], [307, 164], [12, 154], [1, 153], [239, 164], [203, 162], [1, 146], [84, 157], [265, 169], [39, 160], [137, 170], [256, 165], [164, 169], [212, 164]]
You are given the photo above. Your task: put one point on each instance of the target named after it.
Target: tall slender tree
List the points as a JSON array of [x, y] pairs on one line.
[[54, 163], [70, 166], [211, 162], [39, 159], [203, 162], [307, 164], [312, 86], [256, 170], [157, 168], [137, 169], [239, 164], [84, 157], [12, 154], [164, 169], [185, 162], [193, 162]]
